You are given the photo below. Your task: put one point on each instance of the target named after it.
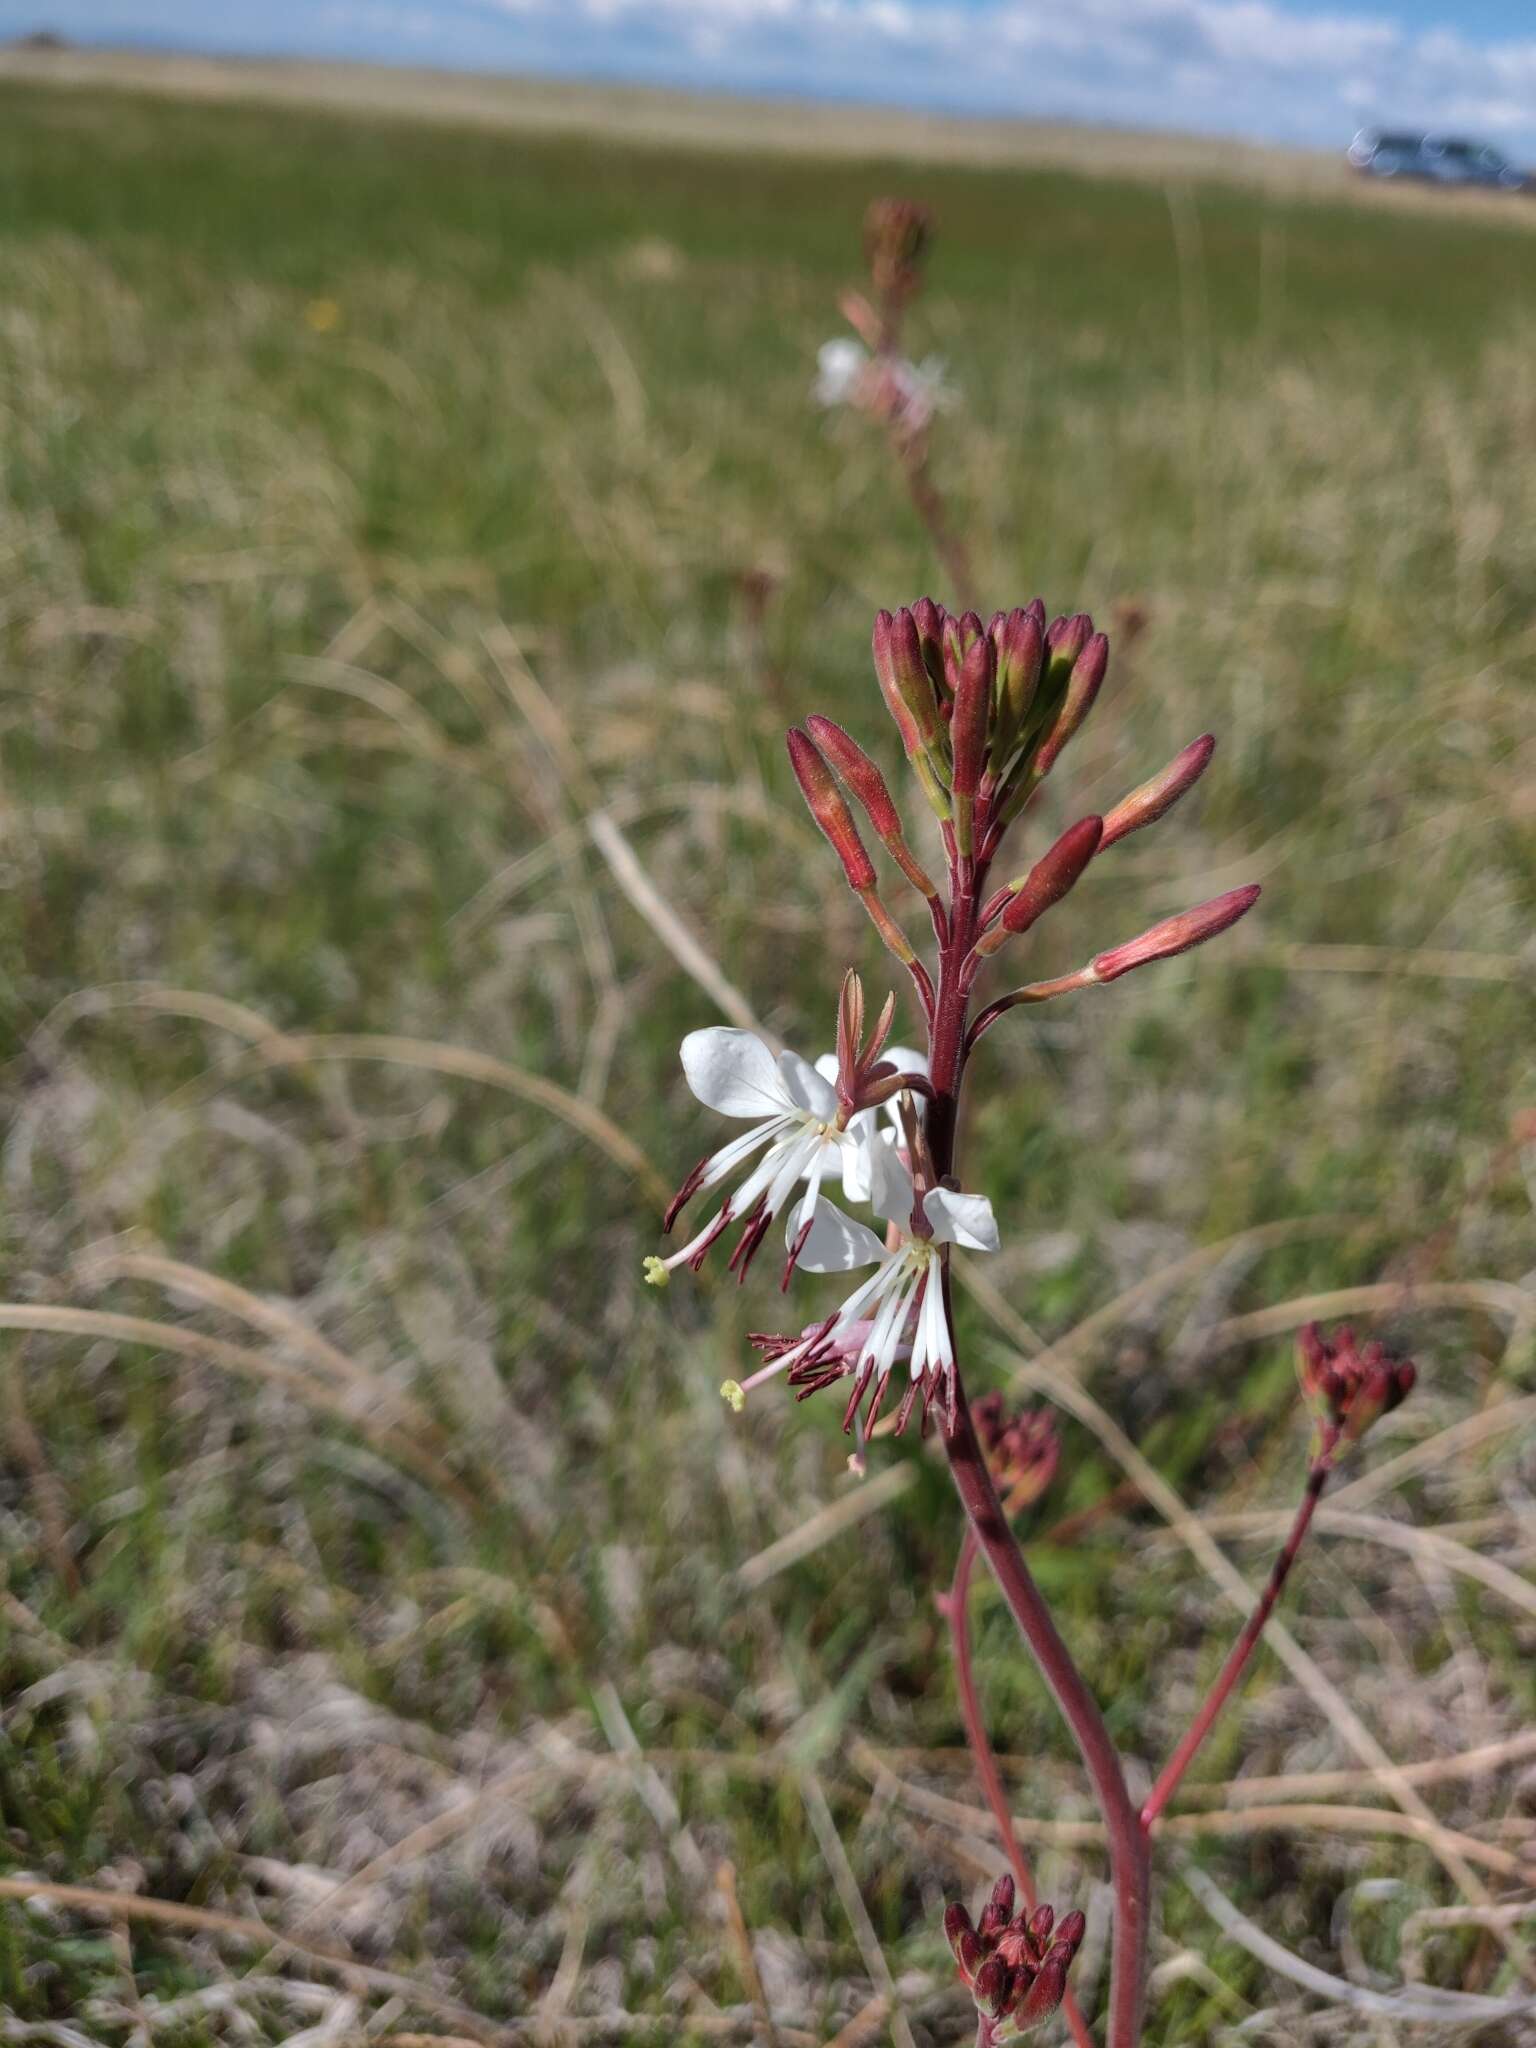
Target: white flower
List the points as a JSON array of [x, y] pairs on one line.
[[839, 367], [866, 1126], [902, 1302], [798, 1126]]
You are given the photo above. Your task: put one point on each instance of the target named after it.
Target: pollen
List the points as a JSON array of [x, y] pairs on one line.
[[656, 1274], [734, 1395]]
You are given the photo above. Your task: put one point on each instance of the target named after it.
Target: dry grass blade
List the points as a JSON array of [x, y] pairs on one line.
[[1425, 2006], [1336, 1710], [104, 1263], [826, 1524], [741, 1949], [1437, 963], [1426, 1543], [234, 1358], [273, 1048], [1497, 1297], [204, 1920], [1297, 1816], [824, 1827], [1447, 1443], [667, 925]]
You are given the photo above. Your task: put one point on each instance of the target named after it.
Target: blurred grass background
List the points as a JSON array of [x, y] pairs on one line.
[[379, 506]]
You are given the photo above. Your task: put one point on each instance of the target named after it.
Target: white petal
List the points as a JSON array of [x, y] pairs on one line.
[[961, 1219], [734, 1072], [806, 1089], [857, 1139], [826, 1066], [837, 1244], [905, 1060], [890, 1185]]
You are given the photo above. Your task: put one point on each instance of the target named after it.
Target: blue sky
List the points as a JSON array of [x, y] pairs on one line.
[[1292, 70]]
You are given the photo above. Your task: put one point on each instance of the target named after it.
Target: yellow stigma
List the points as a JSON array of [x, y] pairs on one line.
[[656, 1274], [734, 1394]]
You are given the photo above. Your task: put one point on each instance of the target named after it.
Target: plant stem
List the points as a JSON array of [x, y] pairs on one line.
[[986, 1763], [1129, 1853], [1242, 1649]]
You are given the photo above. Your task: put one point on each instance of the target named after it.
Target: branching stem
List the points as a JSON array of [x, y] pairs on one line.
[[1237, 1658]]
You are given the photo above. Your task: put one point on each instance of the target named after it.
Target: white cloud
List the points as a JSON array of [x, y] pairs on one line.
[[1243, 65], [1234, 66]]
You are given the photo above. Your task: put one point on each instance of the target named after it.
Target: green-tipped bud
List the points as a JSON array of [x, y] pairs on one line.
[[1019, 640], [969, 729], [960, 636], [929, 618], [905, 683], [1083, 684]]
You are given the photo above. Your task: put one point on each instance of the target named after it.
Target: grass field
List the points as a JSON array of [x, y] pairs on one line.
[[375, 504]]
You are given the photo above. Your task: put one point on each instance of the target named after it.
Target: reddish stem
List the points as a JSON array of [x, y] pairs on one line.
[[1129, 1853], [985, 1761], [1242, 1649]]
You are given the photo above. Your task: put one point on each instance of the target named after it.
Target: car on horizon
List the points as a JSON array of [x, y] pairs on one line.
[[1436, 159]]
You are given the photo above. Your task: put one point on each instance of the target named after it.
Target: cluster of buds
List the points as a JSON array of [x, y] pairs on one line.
[[1023, 1450], [896, 237], [1349, 1386], [1014, 1966], [984, 712]]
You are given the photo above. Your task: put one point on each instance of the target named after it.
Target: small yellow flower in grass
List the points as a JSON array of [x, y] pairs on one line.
[[732, 1392], [656, 1274], [323, 316]]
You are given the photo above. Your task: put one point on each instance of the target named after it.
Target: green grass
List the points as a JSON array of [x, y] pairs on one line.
[[283, 608]]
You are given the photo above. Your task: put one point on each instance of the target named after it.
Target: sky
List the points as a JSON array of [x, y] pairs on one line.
[[1309, 71]]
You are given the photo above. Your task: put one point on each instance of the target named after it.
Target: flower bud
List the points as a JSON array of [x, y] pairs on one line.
[[1003, 1896], [905, 683], [825, 802], [1051, 877], [1044, 1996], [993, 1989], [896, 235], [1019, 640], [1041, 1921], [1176, 934], [869, 786], [1154, 799], [957, 1926], [1088, 668], [959, 637], [929, 618], [968, 731], [1350, 1385], [1069, 1934]]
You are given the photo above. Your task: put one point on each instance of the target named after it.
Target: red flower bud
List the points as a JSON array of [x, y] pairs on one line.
[[1019, 640], [1044, 1996], [958, 1930], [869, 786], [1146, 805], [1069, 1934], [1351, 1385], [972, 720], [825, 801], [905, 683], [1083, 686], [993, 1989], [960, 636], [929, 618], [1053, 875], [1176, 934]]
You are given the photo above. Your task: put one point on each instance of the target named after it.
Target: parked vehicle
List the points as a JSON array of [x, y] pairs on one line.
[[1438, 159]]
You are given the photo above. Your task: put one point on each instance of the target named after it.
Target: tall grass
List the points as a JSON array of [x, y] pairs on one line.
[[375, 504]]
